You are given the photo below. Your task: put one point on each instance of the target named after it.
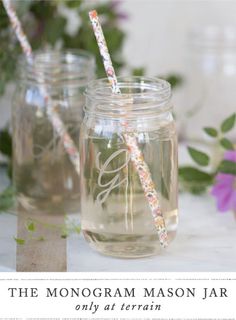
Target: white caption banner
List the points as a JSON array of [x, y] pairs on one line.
[[118, 295]]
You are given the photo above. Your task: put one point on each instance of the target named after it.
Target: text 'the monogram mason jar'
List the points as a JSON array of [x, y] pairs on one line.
[[45, 178], [116, 216]]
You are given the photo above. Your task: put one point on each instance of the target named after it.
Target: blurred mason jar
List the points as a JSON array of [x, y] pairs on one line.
[[209, 95], [45, 178]]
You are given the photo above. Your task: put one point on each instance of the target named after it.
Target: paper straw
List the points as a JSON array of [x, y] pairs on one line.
[[53, 115], [135, 153]]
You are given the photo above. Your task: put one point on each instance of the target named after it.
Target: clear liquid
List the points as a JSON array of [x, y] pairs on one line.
[[44, 177], [116, 218]]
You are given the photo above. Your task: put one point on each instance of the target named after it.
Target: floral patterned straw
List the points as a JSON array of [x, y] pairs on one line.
[[136, 155], [53, 115]]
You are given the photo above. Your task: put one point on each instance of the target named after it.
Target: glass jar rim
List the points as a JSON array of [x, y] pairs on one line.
[[158, 87], [139, 95], [52, 67]]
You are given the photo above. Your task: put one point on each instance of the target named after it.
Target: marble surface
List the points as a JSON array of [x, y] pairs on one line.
[[206, 241]]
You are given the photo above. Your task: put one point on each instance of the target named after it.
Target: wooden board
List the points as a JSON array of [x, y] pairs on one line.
[[48, 255]]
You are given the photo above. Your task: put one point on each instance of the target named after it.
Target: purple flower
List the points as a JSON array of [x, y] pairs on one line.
[[225, 187], [115, 6]]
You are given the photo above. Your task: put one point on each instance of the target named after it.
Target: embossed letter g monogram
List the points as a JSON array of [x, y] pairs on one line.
[[114, 182]]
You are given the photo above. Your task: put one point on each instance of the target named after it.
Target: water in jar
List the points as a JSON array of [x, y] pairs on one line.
[[116, 218], [44, 177]]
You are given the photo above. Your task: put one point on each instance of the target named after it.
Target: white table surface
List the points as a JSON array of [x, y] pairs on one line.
[[206, 241]]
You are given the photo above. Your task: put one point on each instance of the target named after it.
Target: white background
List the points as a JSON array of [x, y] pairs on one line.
[[158, 29], [175, 308]]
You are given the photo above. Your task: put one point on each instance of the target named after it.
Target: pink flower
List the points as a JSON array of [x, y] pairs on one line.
[[115, 5], [224, 189]]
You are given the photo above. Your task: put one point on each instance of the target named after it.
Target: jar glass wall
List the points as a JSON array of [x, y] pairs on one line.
[[208, 95], [44, 177], [116, 217]]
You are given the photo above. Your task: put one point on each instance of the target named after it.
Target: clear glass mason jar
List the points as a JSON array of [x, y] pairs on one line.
[[209, 93], [44, 177], [116, 217]]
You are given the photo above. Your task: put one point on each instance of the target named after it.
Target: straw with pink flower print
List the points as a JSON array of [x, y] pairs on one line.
[[52, 112], [135, 153]]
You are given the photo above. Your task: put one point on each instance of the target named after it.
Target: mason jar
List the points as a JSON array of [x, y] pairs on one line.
[[209, 94], [44, 176], [116, 215]]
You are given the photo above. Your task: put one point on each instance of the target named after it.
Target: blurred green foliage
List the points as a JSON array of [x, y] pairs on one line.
[[46, 26], [196, 180], [45, 23]]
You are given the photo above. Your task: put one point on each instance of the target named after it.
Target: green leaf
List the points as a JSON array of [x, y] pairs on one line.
[[212, 132], [77, 229], [194, 180], [43, 10], [64, 232], [9, 169], [19, 241], [199, 157], [227, 166], [31, 227], [175, 80], [2, 86], [54, 29], [5, 143], [195, 189], [138, 71], [73, 3], [4, 20], [191, 174], [228, 123], [226, 144], [7, 199]]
